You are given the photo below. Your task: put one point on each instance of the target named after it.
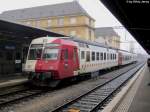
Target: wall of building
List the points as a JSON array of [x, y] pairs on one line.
[[76, 25], [113, 41]]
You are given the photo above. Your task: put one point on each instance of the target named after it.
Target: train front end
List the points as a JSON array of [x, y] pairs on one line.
[[43, 61], [51, 60]]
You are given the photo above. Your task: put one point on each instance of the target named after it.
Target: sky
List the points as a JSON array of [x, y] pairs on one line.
[[103, 17]]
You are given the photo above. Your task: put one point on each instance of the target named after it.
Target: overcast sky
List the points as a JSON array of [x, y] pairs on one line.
[[95, 8]]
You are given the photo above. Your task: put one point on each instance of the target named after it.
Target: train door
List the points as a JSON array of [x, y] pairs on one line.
[[75, 62], [66, 67], [119, 58]]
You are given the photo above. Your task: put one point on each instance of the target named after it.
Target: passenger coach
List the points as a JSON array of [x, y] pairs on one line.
[[52, 59]]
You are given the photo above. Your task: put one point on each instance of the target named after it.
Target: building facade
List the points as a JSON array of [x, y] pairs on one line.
[[66, 18], [107, 36]]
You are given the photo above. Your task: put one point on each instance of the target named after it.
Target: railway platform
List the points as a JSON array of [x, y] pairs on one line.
[[12, 80], [135, 96]]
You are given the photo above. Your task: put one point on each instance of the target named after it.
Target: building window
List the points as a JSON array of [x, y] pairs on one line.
[[49, 22], [87, 21], [38, 23], [93, 56], [82, 54], [61, 32], [28, 23], [90, 34], [72, 20], [9, 56], [91, 23], [60, 21], [73, 33]]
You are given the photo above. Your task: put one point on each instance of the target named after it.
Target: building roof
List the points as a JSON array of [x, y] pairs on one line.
[[105, 32], [68, 8], [14, 32]]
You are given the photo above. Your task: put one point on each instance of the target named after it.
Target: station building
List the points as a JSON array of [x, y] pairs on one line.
[[14, 42], [66, 18], [107, 36], [57, 20]]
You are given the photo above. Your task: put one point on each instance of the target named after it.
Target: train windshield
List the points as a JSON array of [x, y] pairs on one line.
[[50, 54], [35, 52]]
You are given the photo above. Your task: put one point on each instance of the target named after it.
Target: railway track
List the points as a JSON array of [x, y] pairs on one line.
[[93, 100], [26, 93], [9, 98]]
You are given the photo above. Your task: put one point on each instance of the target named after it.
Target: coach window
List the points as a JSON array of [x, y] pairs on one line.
[[107, 56], [97, 56], [87, 56], [93, 56], [101, 56], [104, 56], [82, 54], [111, 56]]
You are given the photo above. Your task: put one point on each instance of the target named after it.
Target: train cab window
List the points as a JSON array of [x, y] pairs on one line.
[[93, 56], [87, 56], [97, 56], [35, 53], [82, 55], [104, 56], [50, 54]]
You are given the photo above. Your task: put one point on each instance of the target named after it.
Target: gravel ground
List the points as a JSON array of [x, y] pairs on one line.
[[53, 99]]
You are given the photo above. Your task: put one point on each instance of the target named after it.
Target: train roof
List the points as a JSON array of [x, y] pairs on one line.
[[93, 43], [75, 39]]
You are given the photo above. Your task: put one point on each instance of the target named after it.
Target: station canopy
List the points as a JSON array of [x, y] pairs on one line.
[[134, 15], [18, 32]]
